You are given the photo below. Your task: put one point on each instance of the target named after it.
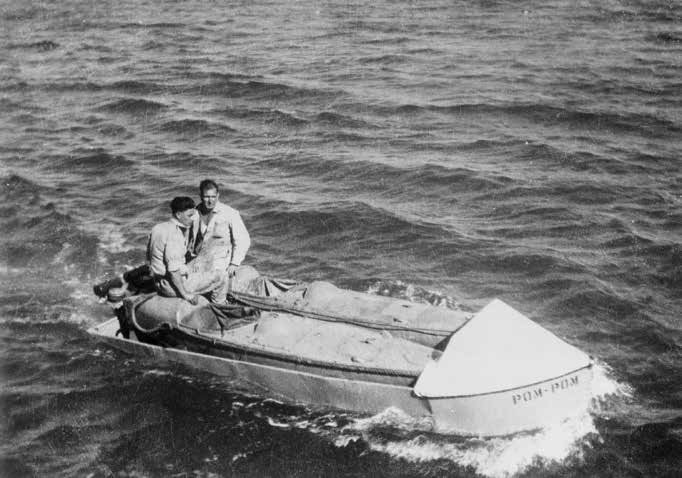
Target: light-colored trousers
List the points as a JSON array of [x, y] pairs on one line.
[[211, 282]]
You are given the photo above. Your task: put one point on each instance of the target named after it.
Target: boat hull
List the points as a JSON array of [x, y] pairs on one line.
[[499, 413], [520, 409]]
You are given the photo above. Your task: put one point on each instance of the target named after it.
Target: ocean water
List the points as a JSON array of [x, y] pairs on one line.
[[448, 152]]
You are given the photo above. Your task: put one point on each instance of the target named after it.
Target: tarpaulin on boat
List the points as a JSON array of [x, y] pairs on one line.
[[334, 343], [152, 311], [422, 323], [288, 334]]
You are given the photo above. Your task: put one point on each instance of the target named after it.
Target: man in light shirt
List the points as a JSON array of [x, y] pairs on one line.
[[220, 226], [166, 252]]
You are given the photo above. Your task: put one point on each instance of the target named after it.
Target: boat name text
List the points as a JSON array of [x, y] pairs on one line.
[[545, 390]]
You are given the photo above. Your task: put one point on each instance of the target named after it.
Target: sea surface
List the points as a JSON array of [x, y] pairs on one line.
[[443, 151]]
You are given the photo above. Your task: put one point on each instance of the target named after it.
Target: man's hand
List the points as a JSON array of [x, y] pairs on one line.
[[231, 271], [192, 299]]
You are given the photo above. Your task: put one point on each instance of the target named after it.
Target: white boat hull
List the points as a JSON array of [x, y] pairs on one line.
[[500, 413]]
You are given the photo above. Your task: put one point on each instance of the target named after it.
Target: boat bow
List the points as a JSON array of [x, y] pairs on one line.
[[499, 349]]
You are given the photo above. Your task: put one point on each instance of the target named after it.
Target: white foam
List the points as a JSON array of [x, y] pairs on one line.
[[402, 290], [493, 457], [277, 424], [111, 239], [393, 417], [5, 270], [604, 385], [498, 457]]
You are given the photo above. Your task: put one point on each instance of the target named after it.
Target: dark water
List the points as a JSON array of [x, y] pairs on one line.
[[444, 151]]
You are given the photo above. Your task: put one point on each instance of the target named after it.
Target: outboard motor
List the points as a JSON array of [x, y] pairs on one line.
[[138, 280], [134, 281]]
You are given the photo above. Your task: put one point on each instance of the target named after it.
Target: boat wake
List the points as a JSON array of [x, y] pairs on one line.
[[403, 437]]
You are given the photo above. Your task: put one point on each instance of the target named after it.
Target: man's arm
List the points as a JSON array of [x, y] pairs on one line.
[[175, 278], [241, 241], [174, 259]]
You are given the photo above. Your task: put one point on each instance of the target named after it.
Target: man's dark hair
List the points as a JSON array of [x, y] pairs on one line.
[[181, 204], [208, 184]]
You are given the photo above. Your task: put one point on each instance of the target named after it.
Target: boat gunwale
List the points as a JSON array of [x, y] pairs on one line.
[[505, 390], [297, 360], [95, 331]]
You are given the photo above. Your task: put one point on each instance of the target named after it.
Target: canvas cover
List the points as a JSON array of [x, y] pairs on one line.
[[294, 336], [421, 323]]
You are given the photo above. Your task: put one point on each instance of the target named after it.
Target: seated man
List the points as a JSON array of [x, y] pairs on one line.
[[166, 255]]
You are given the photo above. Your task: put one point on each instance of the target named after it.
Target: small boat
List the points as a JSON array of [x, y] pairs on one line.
[[492, 373]]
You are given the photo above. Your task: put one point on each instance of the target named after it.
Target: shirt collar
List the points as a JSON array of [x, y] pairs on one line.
[[178, 223], [219, 207]]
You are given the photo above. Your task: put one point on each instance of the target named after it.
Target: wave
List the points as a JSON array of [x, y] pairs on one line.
[[647, 125], [211, 76], [385, 59], [132, 87], [621, 85], [43, 45], [239, 86], [113, 131], [663, 258], [400, 40], [328, 118], [666, 38], [430, 179], [18, 186], [146, 26], [43, 239], [195, 127], [502, 260], [637, 12], [342, 221], [134, 106], [24, 13], [579, 161], [585, 193], [268, 90], [136, 87], [98, 161], [182, 162], [336, 137], [42, 234], [268, 116], [9, 106], [424, 51]]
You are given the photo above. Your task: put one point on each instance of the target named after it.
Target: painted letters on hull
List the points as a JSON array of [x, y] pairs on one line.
[[511, 411]]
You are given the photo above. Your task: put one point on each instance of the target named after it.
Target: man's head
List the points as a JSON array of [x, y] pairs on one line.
[[182, 208], [209, 193]]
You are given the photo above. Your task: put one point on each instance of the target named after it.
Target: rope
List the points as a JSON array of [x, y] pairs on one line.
[[137, 303], [265, 304]]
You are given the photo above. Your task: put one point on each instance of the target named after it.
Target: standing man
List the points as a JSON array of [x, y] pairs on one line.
[[166, 250], [224, 226]]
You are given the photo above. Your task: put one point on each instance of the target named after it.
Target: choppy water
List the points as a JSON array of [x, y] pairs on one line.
[[438, 150]]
